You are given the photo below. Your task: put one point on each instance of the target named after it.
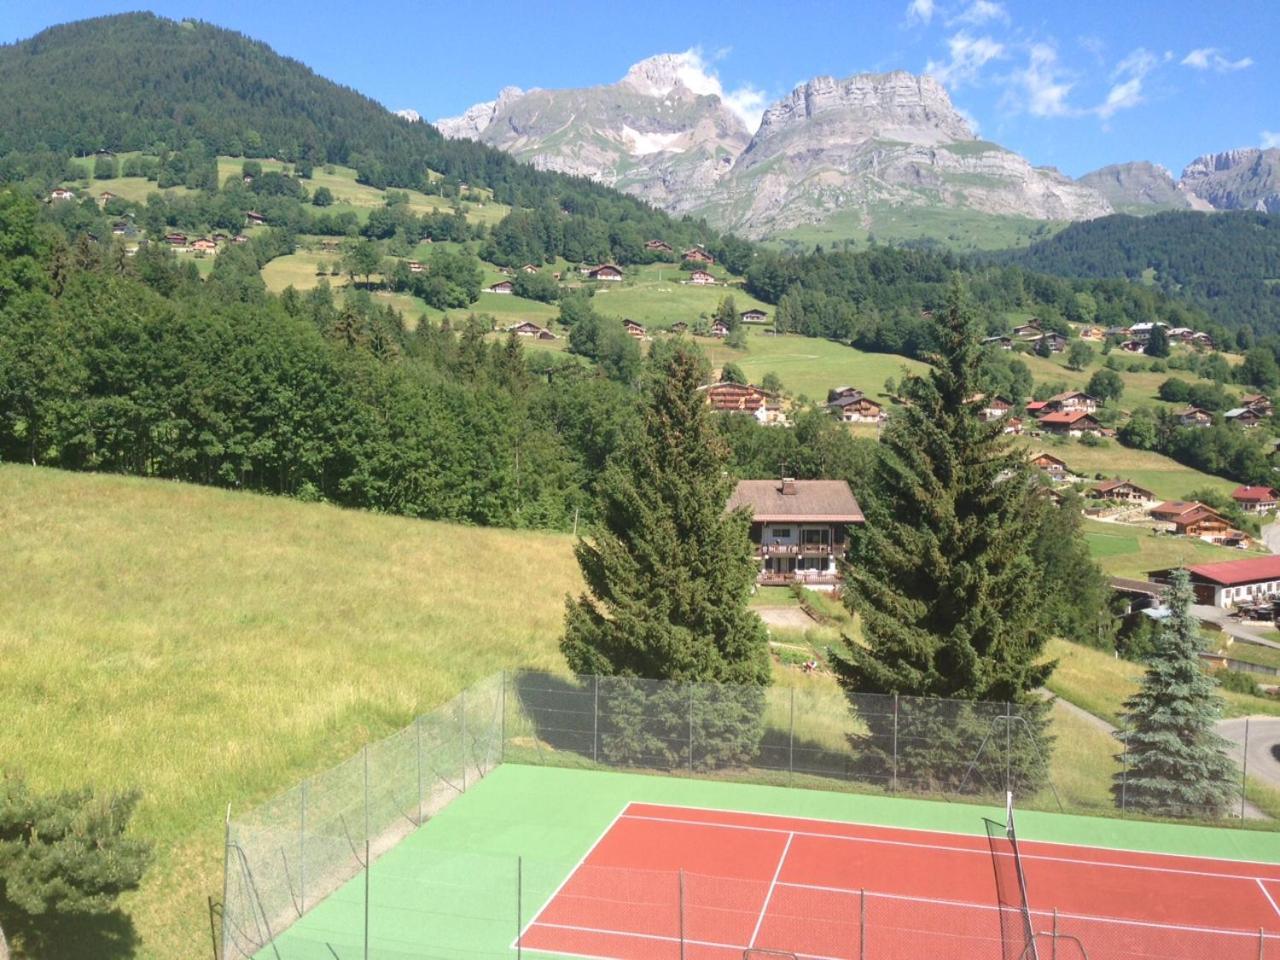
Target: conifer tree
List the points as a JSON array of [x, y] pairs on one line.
[[942, 574], [1174, 762], [668, 576]]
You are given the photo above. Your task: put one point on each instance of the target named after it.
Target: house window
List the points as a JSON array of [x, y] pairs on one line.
[[819, 536], [781, 533]]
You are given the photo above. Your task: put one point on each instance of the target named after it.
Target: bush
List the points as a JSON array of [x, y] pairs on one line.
[[1237, 681]]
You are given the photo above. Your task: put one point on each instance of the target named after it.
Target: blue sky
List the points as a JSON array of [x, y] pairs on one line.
[[1076, 85]]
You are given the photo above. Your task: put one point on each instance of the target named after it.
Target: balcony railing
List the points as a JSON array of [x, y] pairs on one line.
[[794, 550]]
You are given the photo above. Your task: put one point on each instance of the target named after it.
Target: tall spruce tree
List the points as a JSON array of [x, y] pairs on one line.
[[668, 576], [943, 578], [1174, 763]]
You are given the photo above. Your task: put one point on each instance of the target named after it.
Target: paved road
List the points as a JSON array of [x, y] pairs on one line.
[[1250, 631], [1264, 745]]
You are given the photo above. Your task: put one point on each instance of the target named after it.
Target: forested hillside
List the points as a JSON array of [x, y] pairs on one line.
[[1228, 264], [138, 82]]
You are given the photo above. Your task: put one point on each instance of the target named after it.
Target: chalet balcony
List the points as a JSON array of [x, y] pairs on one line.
[[802, 577], [794, 550]]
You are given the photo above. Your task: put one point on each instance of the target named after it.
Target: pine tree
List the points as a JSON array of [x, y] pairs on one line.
[[942, 575], [668, 576], [1174, 762]]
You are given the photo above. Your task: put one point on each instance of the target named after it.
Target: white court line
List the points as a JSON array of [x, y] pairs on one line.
[[942, 847], [1267, 893], [655, 936], [568, 876], [965, 904], [764, 908], [948, 833]]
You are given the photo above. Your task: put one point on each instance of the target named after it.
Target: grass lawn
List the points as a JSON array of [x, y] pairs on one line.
[[774, 597], [956, 228], [211, 647], [1099, 682], [809, 366], [1164, 477], [654, 295], [1123, 550]]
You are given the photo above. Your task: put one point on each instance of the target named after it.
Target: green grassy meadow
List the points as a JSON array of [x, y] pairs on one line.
[[212, 647], [1123, 550], [1162, 476]]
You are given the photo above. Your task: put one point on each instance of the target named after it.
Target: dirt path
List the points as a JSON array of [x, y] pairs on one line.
[[786, 618]]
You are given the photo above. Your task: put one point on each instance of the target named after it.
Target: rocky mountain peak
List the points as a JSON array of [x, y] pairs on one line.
[[891, 106], [473, 121], [1244, 179], [656, 76]]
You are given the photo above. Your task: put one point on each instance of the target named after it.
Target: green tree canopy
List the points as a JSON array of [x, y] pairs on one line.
[[1174, 763]]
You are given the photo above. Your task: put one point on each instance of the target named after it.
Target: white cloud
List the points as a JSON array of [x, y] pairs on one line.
[[1127, 77], [1044, 83], [968, 55], [1270, 139], [1211, 58], [981, 11], [920, 11], [697, 73]]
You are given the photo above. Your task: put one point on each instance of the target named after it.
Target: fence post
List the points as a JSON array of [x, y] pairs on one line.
[[680, 897], [1244, 768], [893, 786], [791, 740], [462, 735], [519, 907], [502, 718], [1124, 777], [595, 719], [690, 728], [366, 898], [302, 849], [365, 756], [1262, 944], [417, 742], [1053, 949], [862, 925]]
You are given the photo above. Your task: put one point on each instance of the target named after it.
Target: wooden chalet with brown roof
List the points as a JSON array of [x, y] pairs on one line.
[[1030, 330], [1075, 424], [658, 246], [1259, 403], [606, 273], [253, 218], [176, 239], [1243, 417], [697, 255], [1194, 519], [527, 328], [502, 287], [204, 245], [720, 329], [798, 528], [62, 193], [1003, 342], [634, 330], [754, 316], [1194, 417], [1122, 491], [855, 407], [725, 397], [1255, 499], [700, 278], [679, 327], [1055, 341], [1072, 400], [1055, 468]]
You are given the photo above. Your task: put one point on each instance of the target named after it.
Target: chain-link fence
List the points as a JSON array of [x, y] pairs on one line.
[[297, 854], [291, 853]]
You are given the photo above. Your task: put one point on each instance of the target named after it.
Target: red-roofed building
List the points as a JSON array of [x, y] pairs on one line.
[[1194, 519], [726, 397], [1036, 407], [1232, 582], [1073, 424], [1055, 468], [1255, 499]]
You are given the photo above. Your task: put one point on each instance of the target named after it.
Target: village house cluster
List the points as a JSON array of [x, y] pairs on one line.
[[1133, 339]]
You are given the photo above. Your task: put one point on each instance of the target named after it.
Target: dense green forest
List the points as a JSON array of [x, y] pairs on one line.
[[879, 299], [1226, 264]]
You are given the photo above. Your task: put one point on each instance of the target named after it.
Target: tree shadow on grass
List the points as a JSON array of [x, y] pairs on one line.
[[106, 936]]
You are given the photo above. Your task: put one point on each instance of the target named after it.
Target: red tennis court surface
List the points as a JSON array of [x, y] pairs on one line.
[[665, 882]]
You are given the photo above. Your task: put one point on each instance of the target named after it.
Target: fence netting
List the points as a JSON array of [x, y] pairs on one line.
[[333, 850]]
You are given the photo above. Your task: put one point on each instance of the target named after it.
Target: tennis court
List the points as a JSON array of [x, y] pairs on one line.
[[839, 891], [615, 866]]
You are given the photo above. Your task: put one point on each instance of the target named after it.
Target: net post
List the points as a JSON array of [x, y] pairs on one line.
[[364, 753], [519, 907], [680, 898], [893, 786], [302, 848], [1054, 942], [791, 740], [862, 925], [595, 719], [1008, 747], [1124, 777], [1262, 944], [502, 717], [366, 898]]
